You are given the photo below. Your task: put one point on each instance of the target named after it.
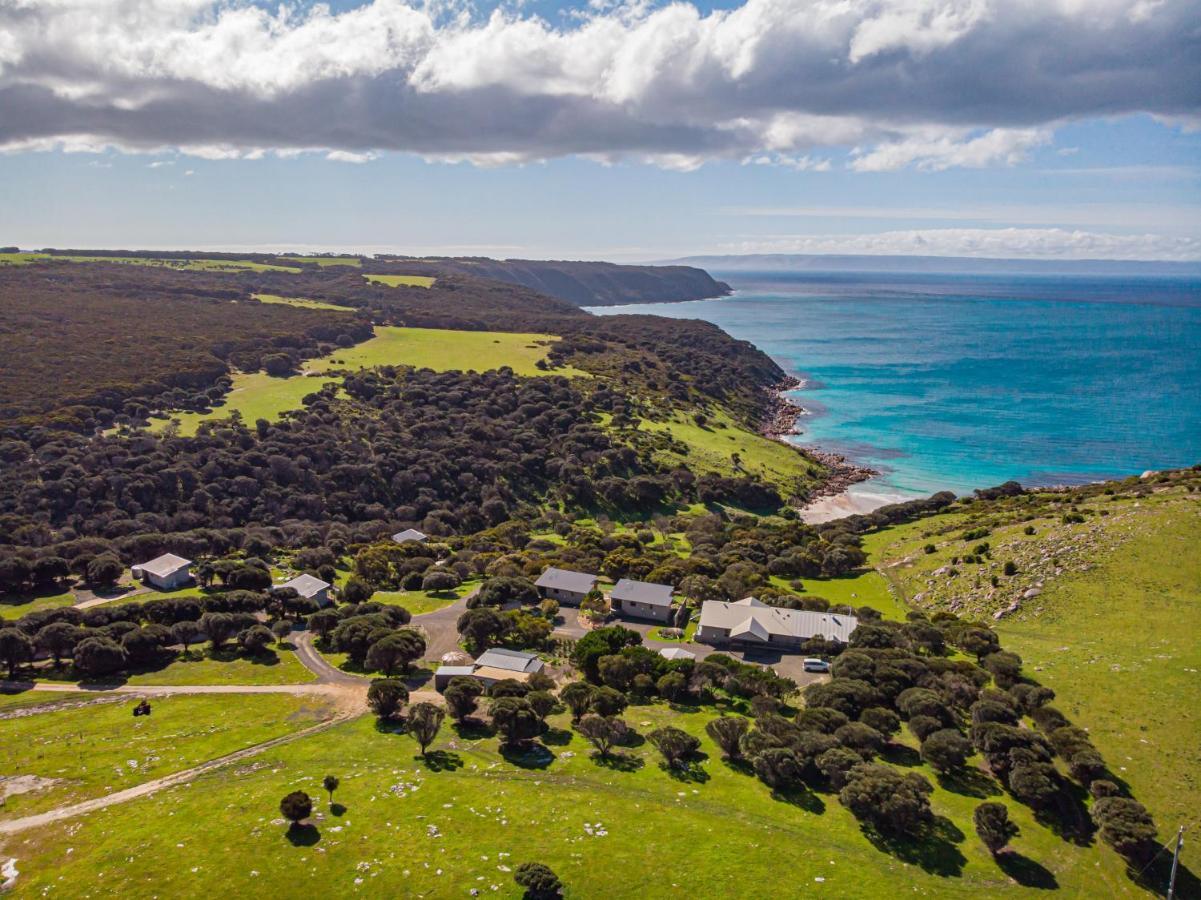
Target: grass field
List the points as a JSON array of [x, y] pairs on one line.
[[423, 281], [712, 449], [1115, 636], [101, 748], [273, 667], [301, 302], [13, 606], [200, 265], [406, 827], [257, 395], [419, 602]]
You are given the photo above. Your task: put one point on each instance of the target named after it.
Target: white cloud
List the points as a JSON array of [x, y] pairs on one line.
[[1019, 243], [926, 83], [347, 156]]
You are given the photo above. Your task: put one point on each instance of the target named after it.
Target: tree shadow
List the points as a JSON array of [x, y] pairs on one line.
[[472, 729], [415, 679], [900, 755], [618, 762], [337, 809], [741, 766], [933, 850], [1068, 818], [969, 783], [303, 835], [390, 726], [1154, 877], [690, 772], [1026, 871], [632, 739], [556, 737], [442, 761], [802, 798], [532, 755]]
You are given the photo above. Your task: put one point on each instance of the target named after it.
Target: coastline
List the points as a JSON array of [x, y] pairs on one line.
[[836, 497]]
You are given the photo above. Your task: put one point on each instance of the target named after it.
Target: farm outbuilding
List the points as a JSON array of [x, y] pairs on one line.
[[166, 572]]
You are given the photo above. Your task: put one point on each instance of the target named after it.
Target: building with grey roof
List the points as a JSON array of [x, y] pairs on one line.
[[310, 587], [497, 664], [643, 599], [569, 588], [410, 534], [166, 572], [750, 622]]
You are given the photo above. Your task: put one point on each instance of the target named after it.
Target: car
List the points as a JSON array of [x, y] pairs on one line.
[[816, 665]]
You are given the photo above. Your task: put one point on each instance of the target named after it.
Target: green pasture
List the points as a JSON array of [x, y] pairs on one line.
[[301, 302], [325, 260], [463, 819], [200, 265], [420, 602], [13, 606], [422, 281]]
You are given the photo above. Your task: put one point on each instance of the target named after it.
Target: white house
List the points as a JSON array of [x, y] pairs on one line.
[[567, 587], [166, 572], [751, 623], [310, 587], [410, 534], [642, 599]]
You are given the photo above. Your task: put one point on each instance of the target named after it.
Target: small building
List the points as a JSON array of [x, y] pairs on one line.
[[310, 587], [166, 572], [497, 664], [569, 588], [643, 599], [410, 534], [752, 623], [675, 653]]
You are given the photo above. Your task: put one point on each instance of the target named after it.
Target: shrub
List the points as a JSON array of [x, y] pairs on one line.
[[946, 750], [676, 746], [891, 802], [727, 733], [538, 881], [993, 826], [296, 806], [386, 697]]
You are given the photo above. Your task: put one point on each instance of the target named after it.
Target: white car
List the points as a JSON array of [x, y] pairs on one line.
[[816, 665]]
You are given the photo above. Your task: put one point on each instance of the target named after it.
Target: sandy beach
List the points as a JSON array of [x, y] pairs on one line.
[[858, 498]]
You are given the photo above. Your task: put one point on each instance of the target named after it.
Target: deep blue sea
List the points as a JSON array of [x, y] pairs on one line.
[[958, 382]]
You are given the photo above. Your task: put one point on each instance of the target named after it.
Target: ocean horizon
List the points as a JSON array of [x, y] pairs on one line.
[[958, 382]]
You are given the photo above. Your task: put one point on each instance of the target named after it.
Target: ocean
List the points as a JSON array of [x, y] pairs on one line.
[[953, 382]]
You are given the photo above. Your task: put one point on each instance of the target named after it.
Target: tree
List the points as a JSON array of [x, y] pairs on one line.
[[424, 722], [946, 750], [602, 731], [324, 622], [186, 633], [396, 651], [821, 719], [542, 702], [140, 646], [608, 702], [1126, 826], [676, 746], [891, 802], [218, 628], [863, 739], [96, 656], [883, 720], [15, 648], [515, 719], [280, 629], [105, 570], [616, 671], [14, 573], [255, 639], [993, 826], [538, 881], [357, 590], [296, 807], [779, 768], [440, 580], [672, 687], [727, 733], [461, 696], [481, 628], [386, 696], [58, 639], [578, 695], [330, 783], [503, 590], [601, 642], [835, 765], [49, 569]]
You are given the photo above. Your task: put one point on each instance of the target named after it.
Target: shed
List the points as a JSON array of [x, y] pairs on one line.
[[410, 534], [567, 587], [444, 674], [310, 587], [166, 572]]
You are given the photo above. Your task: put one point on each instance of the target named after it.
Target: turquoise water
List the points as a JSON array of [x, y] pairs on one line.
[[956, 382]]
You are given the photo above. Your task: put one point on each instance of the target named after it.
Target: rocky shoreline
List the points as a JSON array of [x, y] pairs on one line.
[[780, 422]]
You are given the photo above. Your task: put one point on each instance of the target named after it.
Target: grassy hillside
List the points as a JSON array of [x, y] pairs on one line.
[[1113, 633], [257, 395], [401, 280]]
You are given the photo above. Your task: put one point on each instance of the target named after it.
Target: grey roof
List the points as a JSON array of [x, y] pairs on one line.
[[643, 592], [409, 534], [509, 660], [750, 619], [452, 671], [306, 585], [162, 566], [676, 653], [564, 580]]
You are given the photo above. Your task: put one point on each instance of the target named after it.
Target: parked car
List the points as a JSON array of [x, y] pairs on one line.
[[816, 665]]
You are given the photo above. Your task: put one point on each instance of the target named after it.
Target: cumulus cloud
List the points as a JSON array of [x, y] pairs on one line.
[[1019, 243], [925, 83]]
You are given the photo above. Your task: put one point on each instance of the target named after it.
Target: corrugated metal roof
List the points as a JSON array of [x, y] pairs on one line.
[[564, 580], [162, 566], [306, 585], [509, 660], [643, 592], [797, 623]]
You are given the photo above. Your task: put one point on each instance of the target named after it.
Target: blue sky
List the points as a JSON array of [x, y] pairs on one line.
[[605, 132]]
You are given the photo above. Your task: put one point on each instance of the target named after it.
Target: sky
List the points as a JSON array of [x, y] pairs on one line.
[[1061, 129]]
